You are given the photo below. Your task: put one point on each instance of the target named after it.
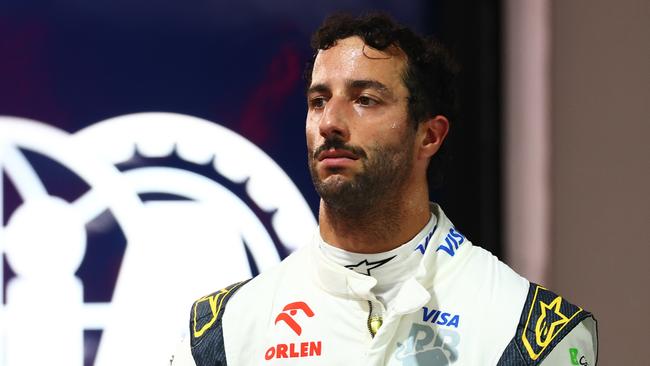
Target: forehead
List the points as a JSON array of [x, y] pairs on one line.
[[351, 59]]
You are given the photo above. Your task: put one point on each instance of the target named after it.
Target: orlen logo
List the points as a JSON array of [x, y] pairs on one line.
[[298, 349], [289, 311]]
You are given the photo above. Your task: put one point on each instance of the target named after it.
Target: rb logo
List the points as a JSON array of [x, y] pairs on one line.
[[426, 346]]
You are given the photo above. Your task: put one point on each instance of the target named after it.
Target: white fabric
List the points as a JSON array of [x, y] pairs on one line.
[[183, 354], [391, 269], [583, 340], [461, 306]]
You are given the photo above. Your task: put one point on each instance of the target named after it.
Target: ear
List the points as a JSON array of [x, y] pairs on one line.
[[431, 134]]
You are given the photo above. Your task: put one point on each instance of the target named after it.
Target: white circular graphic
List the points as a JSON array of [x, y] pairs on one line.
[[232, 212]]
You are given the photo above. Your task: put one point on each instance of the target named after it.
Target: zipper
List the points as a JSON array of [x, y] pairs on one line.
[[374, 321]]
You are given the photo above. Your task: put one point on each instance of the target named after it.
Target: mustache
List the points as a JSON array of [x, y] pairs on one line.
[[338, 144]]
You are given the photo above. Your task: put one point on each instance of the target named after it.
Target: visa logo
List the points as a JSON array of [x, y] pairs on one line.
[[434, 316], [452, 241], [423, 246]]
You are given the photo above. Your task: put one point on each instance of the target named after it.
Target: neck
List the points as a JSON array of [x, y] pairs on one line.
[[379, 227]]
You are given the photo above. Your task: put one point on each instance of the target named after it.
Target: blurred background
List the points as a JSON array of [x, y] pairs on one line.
[[154, 152]]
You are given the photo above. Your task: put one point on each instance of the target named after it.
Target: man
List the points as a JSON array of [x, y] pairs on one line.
[[388, 279]]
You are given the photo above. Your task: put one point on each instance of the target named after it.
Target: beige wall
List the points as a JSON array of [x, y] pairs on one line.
[[600, 168]]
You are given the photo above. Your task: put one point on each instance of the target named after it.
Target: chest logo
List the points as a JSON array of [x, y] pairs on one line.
[[289, 311], [439, 317], [297, 349], [428, 346]]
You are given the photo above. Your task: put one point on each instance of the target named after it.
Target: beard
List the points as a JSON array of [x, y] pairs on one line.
[[385, 170]]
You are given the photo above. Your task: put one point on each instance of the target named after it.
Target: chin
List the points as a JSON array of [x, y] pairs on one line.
[[336, 187], [332, 181]]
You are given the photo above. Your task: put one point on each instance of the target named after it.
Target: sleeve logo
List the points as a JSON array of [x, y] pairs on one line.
[[547, 316], [215, 302]]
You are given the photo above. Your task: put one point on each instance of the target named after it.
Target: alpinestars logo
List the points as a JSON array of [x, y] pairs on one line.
[[296, 349], [547, 317], [364, 267]]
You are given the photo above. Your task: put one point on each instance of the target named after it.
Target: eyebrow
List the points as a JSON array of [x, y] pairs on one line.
[[318, 88], [354, 84], [369, 84]]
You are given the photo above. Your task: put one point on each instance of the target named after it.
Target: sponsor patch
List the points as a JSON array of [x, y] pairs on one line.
[[364, 267], [428, 346], [207, 309], [206, 328], [288, 316], [422, 247], [294, 350], [288, 313], [548, 316], [439, 317], [453, 240]]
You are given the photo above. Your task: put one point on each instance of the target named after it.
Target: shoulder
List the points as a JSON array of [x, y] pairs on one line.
[[548, 324], [539, 324], [486, 269], [481, 278], [502, 290], [209, 314], [248, 290], [262, 287], [206, 331], [578, 347]]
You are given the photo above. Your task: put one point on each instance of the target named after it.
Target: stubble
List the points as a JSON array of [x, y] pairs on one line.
[[377, 186]]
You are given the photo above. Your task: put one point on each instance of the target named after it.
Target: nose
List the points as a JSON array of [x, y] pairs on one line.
[[334, 121]]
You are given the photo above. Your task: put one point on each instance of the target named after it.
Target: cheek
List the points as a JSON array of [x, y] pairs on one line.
[[393, 135], [311, 133], [386, 133]]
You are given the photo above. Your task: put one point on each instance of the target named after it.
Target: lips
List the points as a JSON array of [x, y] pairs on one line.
[[337, 154]]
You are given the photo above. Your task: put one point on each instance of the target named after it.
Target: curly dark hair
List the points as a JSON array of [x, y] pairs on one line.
[[429, 76]]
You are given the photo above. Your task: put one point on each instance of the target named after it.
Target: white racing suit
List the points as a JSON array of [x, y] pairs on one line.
[[462, 307]]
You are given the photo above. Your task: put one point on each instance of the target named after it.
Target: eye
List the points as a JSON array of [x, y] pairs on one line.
[[317, 102], [366, 101]]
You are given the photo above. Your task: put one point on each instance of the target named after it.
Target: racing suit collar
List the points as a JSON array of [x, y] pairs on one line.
[[336, 279], [443, 253], [342, 282]]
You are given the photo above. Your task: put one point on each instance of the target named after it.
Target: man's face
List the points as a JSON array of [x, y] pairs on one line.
[[359, 140]]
